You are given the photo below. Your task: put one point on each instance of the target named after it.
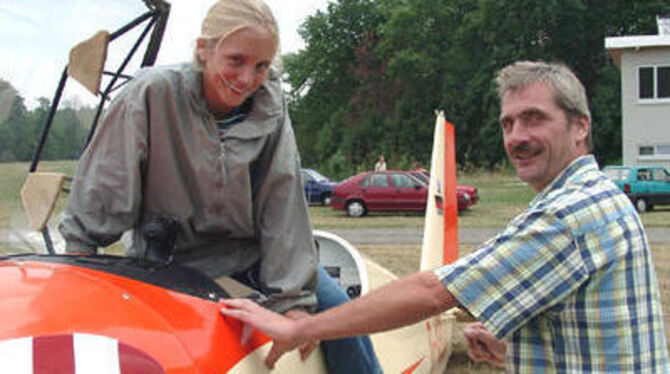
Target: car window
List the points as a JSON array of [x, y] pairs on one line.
[[402, 181], [314, 175], [380, 180], [644, 175], [318, 176], [617, 174], [660, 175], [306, 177], [421, 177]]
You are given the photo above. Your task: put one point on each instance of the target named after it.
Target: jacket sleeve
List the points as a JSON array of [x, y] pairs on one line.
[[289, 256], [105, 197]]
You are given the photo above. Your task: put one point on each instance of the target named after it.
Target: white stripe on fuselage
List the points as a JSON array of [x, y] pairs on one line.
[[16, 356], [96, 354]]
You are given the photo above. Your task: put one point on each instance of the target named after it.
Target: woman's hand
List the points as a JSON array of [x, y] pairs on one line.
[[282, 330]]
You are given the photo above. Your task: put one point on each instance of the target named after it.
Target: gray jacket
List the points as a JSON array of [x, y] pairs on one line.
[[238, 198]]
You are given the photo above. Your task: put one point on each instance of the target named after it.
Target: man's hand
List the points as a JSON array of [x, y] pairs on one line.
[[306, 348], [282, 330], [483, 346]]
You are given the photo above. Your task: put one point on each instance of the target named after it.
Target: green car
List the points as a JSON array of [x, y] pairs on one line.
[[646, 186]]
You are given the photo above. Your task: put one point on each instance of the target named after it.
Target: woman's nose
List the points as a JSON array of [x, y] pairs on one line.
[[246, 76]]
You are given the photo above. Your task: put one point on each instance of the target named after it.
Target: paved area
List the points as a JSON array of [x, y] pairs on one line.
[[465, 235], [370, 236]]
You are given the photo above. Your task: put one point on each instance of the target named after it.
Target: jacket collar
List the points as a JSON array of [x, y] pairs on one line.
[[268, 105]]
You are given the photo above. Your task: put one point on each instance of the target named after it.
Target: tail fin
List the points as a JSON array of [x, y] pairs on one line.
[[440, 237]]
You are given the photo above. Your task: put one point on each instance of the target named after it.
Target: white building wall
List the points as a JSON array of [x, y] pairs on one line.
[[644, 123]]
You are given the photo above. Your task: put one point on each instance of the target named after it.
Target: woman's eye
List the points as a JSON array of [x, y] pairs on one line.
[[261, 68], [235, 60]]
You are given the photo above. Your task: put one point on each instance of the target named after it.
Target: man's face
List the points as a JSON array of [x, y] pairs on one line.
[[539, 138], [236, 67]]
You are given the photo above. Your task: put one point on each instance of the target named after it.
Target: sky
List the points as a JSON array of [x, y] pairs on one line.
[[36, 36]]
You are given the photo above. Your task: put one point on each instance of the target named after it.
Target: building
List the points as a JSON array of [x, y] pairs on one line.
[[644, 62]]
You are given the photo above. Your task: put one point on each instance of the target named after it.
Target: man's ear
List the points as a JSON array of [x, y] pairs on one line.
[[201, 48], [583, 127]]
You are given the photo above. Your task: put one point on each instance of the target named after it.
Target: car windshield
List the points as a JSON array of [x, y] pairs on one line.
[[617, 174], [316, 176], [421, 177]]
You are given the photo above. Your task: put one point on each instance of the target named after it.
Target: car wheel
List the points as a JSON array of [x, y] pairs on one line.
[[641, 205], [326, 199], [355, 208]]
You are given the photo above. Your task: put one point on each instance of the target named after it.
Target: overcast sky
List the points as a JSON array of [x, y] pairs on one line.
[[36, 35]]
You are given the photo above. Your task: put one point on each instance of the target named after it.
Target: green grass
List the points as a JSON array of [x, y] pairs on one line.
[[502, 197]]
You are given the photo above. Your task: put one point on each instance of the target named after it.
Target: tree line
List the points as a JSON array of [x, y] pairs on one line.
[[374, 71], [21, 129]]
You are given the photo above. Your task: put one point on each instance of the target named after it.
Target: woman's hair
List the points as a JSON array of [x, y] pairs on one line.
[[569, 92], [227, 16]]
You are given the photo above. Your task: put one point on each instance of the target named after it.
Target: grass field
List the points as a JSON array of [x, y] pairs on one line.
[[502, 197]]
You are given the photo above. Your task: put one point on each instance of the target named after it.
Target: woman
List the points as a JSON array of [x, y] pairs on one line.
[[208, 147]]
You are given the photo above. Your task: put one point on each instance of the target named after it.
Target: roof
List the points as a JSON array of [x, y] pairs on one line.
[[615, 45]]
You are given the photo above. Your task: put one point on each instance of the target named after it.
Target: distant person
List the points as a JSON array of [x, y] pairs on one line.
[[569, 284], [417, 167], [381, 164], [205, 152]]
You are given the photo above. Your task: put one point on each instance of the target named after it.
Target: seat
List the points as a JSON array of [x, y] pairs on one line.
[[86, 64]]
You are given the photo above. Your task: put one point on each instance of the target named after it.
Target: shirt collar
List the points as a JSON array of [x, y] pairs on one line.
[[574, 171]]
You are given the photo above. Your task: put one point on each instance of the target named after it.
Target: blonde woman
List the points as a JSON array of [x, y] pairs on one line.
[[207, 150]]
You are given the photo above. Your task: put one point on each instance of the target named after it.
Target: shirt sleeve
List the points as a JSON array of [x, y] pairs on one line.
[[105, 197], [522, 272], [288, 253]]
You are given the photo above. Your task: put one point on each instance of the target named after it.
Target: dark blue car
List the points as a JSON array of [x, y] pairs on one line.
[[318, 189]]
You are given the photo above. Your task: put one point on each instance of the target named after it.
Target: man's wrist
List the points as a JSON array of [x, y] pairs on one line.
[[303, 330]]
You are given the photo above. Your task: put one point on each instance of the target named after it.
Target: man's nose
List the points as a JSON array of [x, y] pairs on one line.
[[517, 132]]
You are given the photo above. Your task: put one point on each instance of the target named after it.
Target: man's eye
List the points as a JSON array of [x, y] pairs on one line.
[[534, 117]]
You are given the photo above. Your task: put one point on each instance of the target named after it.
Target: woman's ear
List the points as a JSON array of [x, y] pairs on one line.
[[201, 49]]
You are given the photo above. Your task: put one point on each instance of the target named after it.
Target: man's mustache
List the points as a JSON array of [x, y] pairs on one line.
[[523, 147]]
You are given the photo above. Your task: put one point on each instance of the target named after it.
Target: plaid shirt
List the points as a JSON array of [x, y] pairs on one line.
[[570, 283]]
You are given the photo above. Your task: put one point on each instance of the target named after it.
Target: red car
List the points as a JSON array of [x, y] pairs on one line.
[[469, 190], [384, 191]]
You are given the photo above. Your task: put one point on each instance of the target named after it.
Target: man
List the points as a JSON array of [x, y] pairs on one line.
[[569, 284]]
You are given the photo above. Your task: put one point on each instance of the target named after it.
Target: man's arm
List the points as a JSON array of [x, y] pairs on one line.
[[402, 302]]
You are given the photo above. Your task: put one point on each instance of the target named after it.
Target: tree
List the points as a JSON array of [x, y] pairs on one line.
[[323, 80], [374, 71]]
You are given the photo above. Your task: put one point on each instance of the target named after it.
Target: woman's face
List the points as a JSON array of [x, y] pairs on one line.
[[236, 67]]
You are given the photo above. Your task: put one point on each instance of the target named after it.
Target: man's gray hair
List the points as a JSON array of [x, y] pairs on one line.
[[569, 92]]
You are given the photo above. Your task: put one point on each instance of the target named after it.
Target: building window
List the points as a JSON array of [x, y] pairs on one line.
[[646, 151], [663, 82], [654, 151], [654, 82], [646, 83]]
